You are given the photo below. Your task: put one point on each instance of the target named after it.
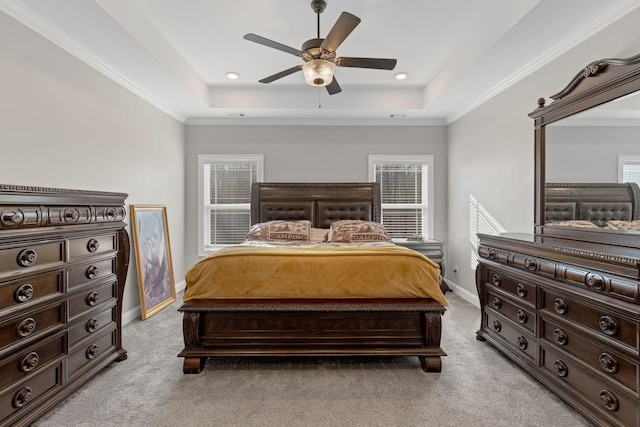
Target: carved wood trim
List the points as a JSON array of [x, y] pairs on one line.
[[591, 70], [321, 306], [51, 190]]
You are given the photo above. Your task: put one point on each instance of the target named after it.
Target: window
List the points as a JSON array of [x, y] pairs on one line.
[[406, 185], [629, 168], [225, 198]]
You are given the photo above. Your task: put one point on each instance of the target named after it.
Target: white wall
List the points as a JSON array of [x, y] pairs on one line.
[[491, 149], [593, 152], [62, 124], [314, 153]]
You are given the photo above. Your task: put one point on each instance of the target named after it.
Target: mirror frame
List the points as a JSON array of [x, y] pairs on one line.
[[599, 82]]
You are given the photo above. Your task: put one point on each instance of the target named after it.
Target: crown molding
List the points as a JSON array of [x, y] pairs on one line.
[[606, 19], [23, 14]]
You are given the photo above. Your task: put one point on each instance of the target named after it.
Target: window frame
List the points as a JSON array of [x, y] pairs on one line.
[[421, 159], [220, 158], [625, 159]]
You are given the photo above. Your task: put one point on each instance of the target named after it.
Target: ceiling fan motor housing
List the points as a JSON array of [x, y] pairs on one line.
[[318, 6]]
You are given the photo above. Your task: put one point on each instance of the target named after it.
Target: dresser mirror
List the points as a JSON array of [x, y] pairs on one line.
[[579, 137]]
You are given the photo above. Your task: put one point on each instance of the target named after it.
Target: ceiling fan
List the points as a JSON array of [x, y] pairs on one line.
[[319, 54]]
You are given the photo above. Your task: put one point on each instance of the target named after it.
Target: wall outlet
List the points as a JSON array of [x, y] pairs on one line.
[[455, 269]]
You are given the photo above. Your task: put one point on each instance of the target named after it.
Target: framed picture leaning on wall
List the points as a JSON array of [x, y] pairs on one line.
[[153, 258]]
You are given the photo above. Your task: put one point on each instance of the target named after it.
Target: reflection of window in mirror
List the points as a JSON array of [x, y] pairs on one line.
[[629, 168]]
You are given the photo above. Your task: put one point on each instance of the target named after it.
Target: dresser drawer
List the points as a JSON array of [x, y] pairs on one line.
[[524, 317], [31, 360], [598, 319], [601, 395], [28, 394], [522, 341], [92, 324], [29, 256], [31, 290], [31, 325], [613, 364], [89, 298], [89, 352], [90, 272], [519, 288], [91, 245]]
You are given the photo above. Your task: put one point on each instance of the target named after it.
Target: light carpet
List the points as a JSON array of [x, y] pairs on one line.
[[478, 386]]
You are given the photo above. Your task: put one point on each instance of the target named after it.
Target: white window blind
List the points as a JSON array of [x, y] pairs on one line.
[[226, 198], [405, 184], [631, 170]]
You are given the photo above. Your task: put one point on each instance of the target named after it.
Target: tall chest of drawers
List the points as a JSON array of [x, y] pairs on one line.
[[569, 317], [64, 256]]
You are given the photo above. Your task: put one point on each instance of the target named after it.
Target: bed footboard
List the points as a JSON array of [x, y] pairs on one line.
[[363, 327]]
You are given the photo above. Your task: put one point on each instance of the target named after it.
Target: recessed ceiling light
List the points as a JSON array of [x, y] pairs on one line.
[[401, 76], [232, 75]]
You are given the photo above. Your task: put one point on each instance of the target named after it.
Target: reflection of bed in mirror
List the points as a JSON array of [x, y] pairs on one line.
[[598, 206]]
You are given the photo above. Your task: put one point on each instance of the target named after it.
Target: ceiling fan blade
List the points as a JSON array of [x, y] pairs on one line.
[[281, 74], [333, 87], [270, 43], [377, 63], [341, 29]]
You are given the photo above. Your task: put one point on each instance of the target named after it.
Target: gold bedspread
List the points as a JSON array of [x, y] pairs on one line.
[[386, 271]]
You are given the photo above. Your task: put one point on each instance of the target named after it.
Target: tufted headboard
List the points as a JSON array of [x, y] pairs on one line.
[[598, 203], [320, 202]]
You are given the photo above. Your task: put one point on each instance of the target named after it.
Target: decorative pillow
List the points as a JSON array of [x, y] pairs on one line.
[[580, 223], [355, 231], [280, 230], [318, 235], [624, 225]]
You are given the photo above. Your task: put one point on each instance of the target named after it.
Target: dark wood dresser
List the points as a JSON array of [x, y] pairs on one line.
[[564, 302], [569, 317], [64, 256]]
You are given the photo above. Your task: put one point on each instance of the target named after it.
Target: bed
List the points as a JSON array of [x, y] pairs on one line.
[[606, 206], [316, 324]]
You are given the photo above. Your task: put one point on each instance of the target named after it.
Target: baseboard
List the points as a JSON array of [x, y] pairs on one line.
[[136, 312], [469, 297]]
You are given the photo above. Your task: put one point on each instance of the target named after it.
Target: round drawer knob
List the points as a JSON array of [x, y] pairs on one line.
[[22, 397], [521, 290], [11, 218], [491, 253], [27, 257], [111, 214], [560, 337], [93, 298], [497, 326], [92, 325], [496, 280], [496, 303], [24, 292], [595, 281], [609, 400], [92, 272], [608, 325], [29, 362], [522, 317], [92, 351], [93, 245], [530, 264], [561, 369], [72, 215], [608, 363], [560, 306], [26, 327], [522, 342]]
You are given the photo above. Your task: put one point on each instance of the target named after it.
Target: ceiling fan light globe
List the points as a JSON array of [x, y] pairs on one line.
[[318, 72]]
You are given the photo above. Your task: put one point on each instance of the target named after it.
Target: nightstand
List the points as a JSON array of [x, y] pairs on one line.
[[432, 249]]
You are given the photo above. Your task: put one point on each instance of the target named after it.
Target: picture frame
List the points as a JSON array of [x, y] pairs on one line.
[[153, 258]]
